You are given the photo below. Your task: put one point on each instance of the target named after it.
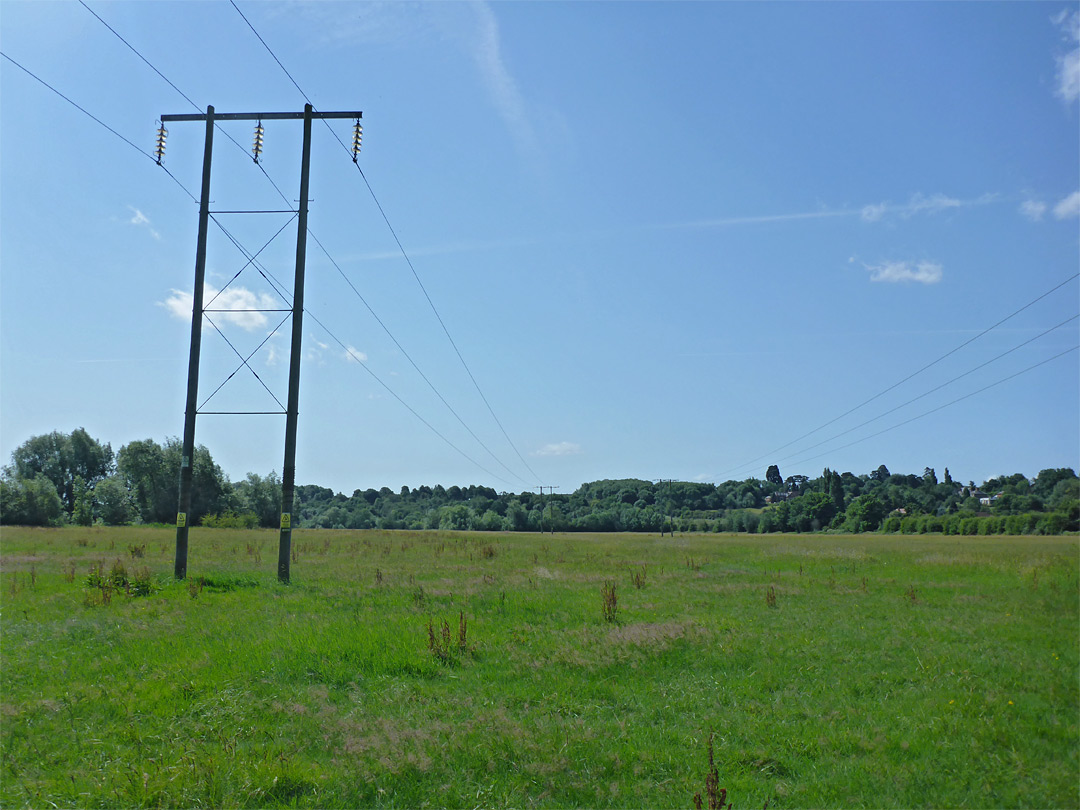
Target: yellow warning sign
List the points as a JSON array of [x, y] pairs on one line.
[[181, 520], [286, 520]]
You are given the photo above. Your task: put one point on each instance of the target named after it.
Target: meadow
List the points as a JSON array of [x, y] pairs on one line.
[[451, 669]]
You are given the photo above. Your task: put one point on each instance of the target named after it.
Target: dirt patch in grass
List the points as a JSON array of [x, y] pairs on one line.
[[651, 634]]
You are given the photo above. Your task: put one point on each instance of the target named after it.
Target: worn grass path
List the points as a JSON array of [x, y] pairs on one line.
[[865, 671]]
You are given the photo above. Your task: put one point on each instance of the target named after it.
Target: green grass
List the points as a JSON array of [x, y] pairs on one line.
[[891, 672]]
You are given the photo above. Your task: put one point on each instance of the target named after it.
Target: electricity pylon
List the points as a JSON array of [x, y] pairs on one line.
[[288, 473]]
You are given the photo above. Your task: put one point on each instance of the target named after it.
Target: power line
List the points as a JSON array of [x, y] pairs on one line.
[[279, 288], [947, 404], [392, 393], [147, 61], [185, 96], [932, 390], [408, 357], [98, 121], [401, 247], [77, 107], [901, 382]]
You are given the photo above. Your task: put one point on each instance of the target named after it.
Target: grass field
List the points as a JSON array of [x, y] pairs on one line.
[[462, 670]]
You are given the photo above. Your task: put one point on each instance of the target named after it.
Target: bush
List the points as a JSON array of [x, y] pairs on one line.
[[231, 520], [30, 502]]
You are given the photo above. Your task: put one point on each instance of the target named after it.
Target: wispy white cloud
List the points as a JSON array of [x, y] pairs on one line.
[[894, 272], [918, 204], [559, 449], [872, 213], [140, 219], [921, 204], [1069, 207], [233, 306], [934, 204], [720, 222], [487, 53], [1033, 209], [1068, 64]]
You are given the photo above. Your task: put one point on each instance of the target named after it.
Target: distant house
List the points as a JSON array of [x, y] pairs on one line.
[[777, 497]]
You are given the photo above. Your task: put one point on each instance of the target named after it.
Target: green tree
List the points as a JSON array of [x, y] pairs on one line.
[[84, 504], [864, 514], [154, 486], [152, 474], [261, 497], [880, 474], [836, 493], [61, 458], [114, 501], [516, 519], [29, 502]]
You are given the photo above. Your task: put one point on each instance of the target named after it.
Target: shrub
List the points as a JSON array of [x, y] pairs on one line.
[[232, 520]]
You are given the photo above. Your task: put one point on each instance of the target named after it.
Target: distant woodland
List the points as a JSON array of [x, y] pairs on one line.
[[73, 479]]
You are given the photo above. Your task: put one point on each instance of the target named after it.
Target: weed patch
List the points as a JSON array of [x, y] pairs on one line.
[[440, 643]]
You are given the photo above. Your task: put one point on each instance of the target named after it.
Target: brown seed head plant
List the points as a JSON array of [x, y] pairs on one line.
[[610, 602], [716, 795]]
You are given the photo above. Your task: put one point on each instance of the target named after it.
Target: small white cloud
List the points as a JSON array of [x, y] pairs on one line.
[[354, 355], [138, 218], [1068, 75], [559, 449], [233, 306], [1069, 207], [872, 213], [1033, 209], [894, 272]]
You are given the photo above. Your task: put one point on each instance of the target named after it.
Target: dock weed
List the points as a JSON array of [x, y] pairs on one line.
[[770, 597], [609, 602], [715, 796]]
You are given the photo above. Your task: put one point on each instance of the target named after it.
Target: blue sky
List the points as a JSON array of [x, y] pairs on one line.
[[668, 239]]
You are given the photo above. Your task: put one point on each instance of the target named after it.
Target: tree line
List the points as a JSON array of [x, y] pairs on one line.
[[57, 478]]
